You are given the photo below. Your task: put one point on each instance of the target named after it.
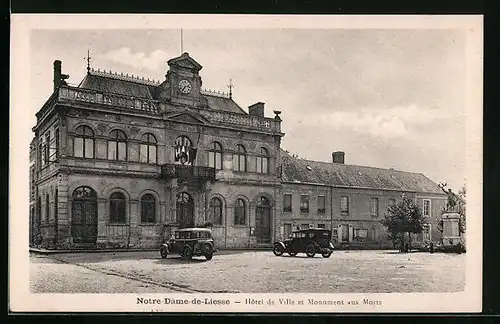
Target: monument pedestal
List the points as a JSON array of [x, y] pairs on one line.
[[451, 228]]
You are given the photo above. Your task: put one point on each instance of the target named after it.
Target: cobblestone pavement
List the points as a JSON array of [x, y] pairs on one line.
[[258, 272]]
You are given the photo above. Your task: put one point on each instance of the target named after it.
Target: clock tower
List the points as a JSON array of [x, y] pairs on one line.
[[182, 85]]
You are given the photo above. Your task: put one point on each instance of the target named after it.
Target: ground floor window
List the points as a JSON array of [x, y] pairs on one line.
[[287, 230], [117, 208], [148, 208]]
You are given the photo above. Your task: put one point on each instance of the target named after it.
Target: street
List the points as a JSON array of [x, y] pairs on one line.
[[247, 272]]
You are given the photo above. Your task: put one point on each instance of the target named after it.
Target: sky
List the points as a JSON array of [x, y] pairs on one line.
[[388, 98]]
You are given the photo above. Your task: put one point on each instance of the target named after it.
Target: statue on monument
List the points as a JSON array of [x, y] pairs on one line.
[[451, 202]]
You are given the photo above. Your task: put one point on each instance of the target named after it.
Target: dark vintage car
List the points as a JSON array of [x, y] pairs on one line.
[[309, 241], [189, 242]]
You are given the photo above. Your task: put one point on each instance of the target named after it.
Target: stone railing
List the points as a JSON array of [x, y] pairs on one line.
[[154, 107], [116, 100], [240, 120]]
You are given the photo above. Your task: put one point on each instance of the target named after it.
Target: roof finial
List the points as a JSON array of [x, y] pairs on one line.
[[88, 60], [230, 86]]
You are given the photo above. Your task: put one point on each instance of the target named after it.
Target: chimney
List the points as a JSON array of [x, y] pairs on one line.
[[57, 74], [338, 157], [257, 109]]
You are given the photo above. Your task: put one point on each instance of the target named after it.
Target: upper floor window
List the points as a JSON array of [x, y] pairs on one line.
[[184, 152], [148, 209], [216, 210], [287, 202], [117, 145], [240, 212], [263, 161], [83, 144], [321, 205], [215, 156], [344, 206], [117, 208], [56, 146], [46, 149], [427, 208], [374, 207], [148, 149], [304, 204], [41, 155], [240, 159]]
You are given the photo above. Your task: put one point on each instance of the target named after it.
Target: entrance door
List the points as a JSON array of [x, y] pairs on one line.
[[263, 221], [345, 233], [84, 215], [185, 210]]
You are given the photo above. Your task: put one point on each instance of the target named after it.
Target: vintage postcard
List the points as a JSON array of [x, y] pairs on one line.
[[227, 163]]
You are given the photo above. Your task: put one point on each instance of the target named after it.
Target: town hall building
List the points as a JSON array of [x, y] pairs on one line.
[[121, 162]]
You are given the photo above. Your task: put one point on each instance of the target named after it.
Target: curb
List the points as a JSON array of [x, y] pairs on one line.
[[46, 252]]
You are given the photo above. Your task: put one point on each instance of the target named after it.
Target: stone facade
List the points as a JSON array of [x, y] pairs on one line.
[[120, 162]]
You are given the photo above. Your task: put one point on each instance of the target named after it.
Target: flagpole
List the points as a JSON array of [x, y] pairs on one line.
[[181, 42]]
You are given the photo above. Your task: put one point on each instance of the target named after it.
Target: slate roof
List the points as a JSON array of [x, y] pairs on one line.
[[224, 104], [115, 85], [138, 88], [343, 175]]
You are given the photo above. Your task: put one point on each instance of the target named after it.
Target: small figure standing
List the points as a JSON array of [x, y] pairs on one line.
[[451, 201]]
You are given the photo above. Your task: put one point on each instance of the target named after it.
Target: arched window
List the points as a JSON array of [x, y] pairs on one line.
[[184, 152], [263, 161], [240, 212], [117, 208], [216, 211], [83, 143], [240, 159], [148, 149], [117, 146], [148, 209], [215, 156]]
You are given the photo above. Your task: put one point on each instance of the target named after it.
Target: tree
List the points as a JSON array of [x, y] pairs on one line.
[[403, 217]]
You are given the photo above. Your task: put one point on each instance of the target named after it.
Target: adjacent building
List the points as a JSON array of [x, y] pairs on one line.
[[120, 162]]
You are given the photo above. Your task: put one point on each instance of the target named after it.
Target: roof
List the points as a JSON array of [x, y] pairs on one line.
[[119, 85], [353, 176], [223, 104], [141, 88]]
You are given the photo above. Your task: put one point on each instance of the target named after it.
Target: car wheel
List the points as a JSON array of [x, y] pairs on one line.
[[292, 253], [277, 250], [310, 251], [163, 253], [208, 256], [187, 253], [326, 254]]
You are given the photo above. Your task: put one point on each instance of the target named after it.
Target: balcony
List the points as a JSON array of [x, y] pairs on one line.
[[187, 173]]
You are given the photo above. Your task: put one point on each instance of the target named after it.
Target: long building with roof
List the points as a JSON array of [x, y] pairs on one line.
[[121, 161]]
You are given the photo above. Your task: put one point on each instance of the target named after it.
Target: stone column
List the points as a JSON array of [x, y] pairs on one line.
[[63, 206], [102, 220], [451, 229], [134, 221]]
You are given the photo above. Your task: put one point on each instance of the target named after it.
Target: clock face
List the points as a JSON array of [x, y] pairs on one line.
[[185, 86]]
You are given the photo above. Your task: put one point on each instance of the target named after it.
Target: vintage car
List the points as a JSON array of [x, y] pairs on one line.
[[189, 242], [309, 241]]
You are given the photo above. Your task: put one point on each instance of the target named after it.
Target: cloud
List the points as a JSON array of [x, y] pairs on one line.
[[140, 60], [384, 123]]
